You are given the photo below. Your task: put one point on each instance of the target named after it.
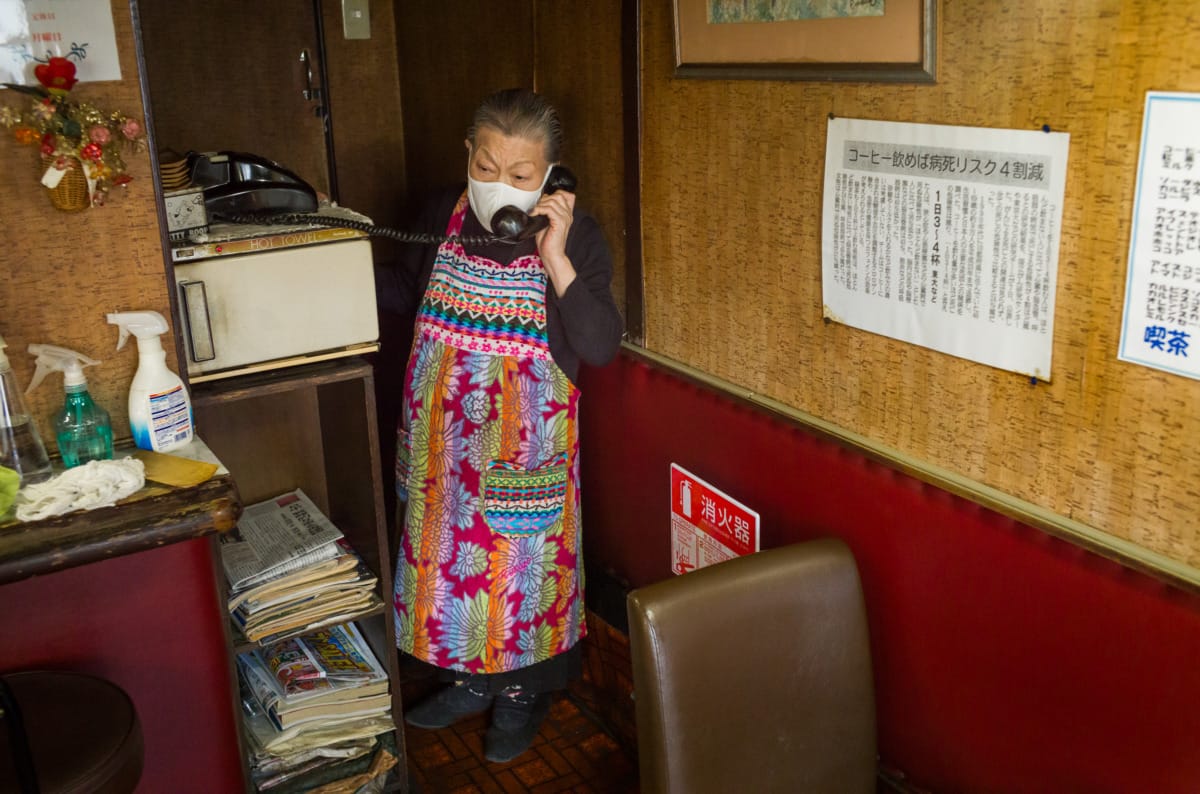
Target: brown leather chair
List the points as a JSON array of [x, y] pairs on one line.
[[67, 733], [755, 675]]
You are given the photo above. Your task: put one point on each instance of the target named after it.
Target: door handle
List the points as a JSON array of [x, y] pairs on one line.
[[199, 329], [310, 92]]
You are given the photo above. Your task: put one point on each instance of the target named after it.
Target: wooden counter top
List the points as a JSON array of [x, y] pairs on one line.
[[154, 516]]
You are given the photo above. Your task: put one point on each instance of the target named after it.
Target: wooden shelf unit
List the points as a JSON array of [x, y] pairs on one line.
[[313, 428]]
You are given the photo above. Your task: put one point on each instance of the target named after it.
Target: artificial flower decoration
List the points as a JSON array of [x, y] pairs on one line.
[[58, 76], [73, 135]]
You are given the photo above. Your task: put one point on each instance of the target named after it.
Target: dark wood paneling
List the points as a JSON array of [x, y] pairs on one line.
[[579, 70], [269, 444], [451, 55], [368, 130], [222, 78]]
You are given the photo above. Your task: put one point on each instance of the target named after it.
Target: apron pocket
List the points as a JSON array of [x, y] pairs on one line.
[[518, 501]]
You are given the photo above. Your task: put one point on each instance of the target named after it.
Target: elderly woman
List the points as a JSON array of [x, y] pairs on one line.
[[489, 577]]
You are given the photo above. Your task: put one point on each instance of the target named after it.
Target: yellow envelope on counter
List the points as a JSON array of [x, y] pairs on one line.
[[173, 470]]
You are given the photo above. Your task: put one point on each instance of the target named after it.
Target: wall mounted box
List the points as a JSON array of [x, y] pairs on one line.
[[267, 303]]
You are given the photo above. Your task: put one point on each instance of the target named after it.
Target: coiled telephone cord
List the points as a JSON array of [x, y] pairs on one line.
[[368, 228]]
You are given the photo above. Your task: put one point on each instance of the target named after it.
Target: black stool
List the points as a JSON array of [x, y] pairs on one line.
[[67, 733]]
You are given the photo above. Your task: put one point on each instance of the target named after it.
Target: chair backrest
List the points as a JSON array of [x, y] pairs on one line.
[[755, 675]]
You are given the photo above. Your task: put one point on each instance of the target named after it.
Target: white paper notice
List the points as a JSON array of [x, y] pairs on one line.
[[1162, 290], [945, 237], [33, 31]]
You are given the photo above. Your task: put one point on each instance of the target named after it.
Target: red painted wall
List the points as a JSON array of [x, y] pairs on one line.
[[1005, 660], [150, 623]]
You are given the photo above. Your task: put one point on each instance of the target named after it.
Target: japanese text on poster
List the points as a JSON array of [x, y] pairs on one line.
[[1162, 290], [945, 237], [707, 525], [34, 31]]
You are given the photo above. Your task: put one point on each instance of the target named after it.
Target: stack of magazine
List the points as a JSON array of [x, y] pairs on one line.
[[312, 701], [290, 571]]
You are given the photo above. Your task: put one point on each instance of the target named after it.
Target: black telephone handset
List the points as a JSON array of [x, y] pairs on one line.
[[513, 225], [242, 183]]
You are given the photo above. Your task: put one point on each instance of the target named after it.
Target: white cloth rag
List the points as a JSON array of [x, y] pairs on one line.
[[99, 483]]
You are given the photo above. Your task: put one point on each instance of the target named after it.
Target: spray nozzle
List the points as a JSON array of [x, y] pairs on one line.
[[143, 325], [52, 358]]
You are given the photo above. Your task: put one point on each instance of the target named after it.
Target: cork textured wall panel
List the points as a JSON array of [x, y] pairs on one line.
[[732, 179], [64, 271]]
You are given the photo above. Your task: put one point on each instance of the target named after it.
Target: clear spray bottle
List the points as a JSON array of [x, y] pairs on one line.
[[83, 429], [21, 447]]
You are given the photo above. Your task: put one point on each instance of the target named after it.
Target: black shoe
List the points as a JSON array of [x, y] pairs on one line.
[[515, 721], [446, 707]]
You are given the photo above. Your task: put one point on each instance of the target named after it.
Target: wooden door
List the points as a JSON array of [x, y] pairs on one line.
[[232, 75]]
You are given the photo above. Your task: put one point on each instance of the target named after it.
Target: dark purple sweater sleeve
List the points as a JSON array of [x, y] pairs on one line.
[[588, 322]]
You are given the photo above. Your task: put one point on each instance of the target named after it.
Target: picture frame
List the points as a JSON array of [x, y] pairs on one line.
[[898, 45]]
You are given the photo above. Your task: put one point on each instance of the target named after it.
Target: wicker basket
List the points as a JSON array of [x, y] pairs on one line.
[[70, 194]]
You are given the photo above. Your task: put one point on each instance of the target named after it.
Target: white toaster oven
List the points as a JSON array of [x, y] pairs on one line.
[[265, 304]]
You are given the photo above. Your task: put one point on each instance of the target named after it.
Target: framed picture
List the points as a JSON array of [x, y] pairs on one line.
[[849, 40]]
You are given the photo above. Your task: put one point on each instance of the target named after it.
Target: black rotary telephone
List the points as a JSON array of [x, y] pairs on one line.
[[509, 224]]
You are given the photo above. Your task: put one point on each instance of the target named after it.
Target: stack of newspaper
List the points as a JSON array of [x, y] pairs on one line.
[[312, 701], [290, 571]]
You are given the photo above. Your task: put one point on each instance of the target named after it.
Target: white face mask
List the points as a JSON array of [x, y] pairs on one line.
[[487, 197]]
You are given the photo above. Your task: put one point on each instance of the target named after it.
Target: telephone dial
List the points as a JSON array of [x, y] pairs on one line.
[[246, 188]]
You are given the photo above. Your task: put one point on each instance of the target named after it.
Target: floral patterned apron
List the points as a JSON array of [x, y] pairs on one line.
[[489, 572]]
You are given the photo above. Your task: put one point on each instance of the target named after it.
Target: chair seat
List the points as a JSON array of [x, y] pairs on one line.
[[83, 732]]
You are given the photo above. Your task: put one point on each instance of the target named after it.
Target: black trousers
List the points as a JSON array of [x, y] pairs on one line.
[[546, 676]]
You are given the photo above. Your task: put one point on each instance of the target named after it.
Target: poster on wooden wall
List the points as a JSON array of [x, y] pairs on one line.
[[945, 237], [860, 40], [1162, 289]]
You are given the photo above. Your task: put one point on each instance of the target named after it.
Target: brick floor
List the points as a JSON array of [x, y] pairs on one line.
[[587, 743], [572, 753]]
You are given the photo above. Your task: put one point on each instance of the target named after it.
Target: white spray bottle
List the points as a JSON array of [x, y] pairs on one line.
[[160, 411]]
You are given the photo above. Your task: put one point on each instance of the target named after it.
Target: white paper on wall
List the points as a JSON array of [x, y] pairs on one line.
[[1162, 290], [33, 31], [945, 237]]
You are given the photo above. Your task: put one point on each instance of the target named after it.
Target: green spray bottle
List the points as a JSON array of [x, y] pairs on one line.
[[83, 429]]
